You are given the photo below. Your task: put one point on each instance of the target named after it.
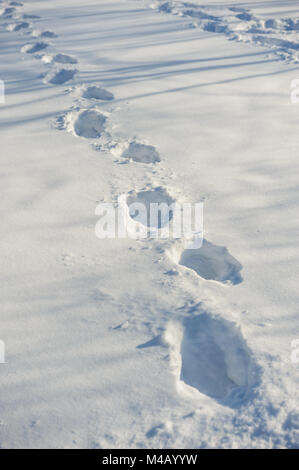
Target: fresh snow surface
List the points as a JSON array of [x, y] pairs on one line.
[[123, 343]]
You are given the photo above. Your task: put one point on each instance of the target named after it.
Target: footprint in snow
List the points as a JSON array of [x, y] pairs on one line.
[[271, 24], [245, 16], [137, 152], [194, 13], [44, 34], [59, 59], [64, 59], [18, 26], [88, 123], [290, 24], [33, 48], [214, 27], [59, 77], [166, 7], [7, 12], [140, 204], [212, 262], [210, 355], [97, 93]]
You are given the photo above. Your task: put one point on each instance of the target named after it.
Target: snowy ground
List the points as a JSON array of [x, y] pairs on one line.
[[142, 344]]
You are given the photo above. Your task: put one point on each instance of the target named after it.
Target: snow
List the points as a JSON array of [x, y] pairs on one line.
[[124, 343]]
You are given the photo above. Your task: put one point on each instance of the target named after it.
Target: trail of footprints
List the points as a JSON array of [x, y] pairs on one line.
[[213, 356], [63, 65], [239, 24]]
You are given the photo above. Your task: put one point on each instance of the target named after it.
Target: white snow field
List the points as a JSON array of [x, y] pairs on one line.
[[122, 343]]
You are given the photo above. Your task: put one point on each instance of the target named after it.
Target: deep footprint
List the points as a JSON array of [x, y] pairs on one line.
[[245, 16], [64, 59], [141, 153], [90, 124], [212, 262], [97, 93], [199, 14], [146, 199], [7, 12], [215, 357], [44, 34], [270, 24], [166, 7], [33, 48], [290, 24], [60, 77], [18, 26]]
